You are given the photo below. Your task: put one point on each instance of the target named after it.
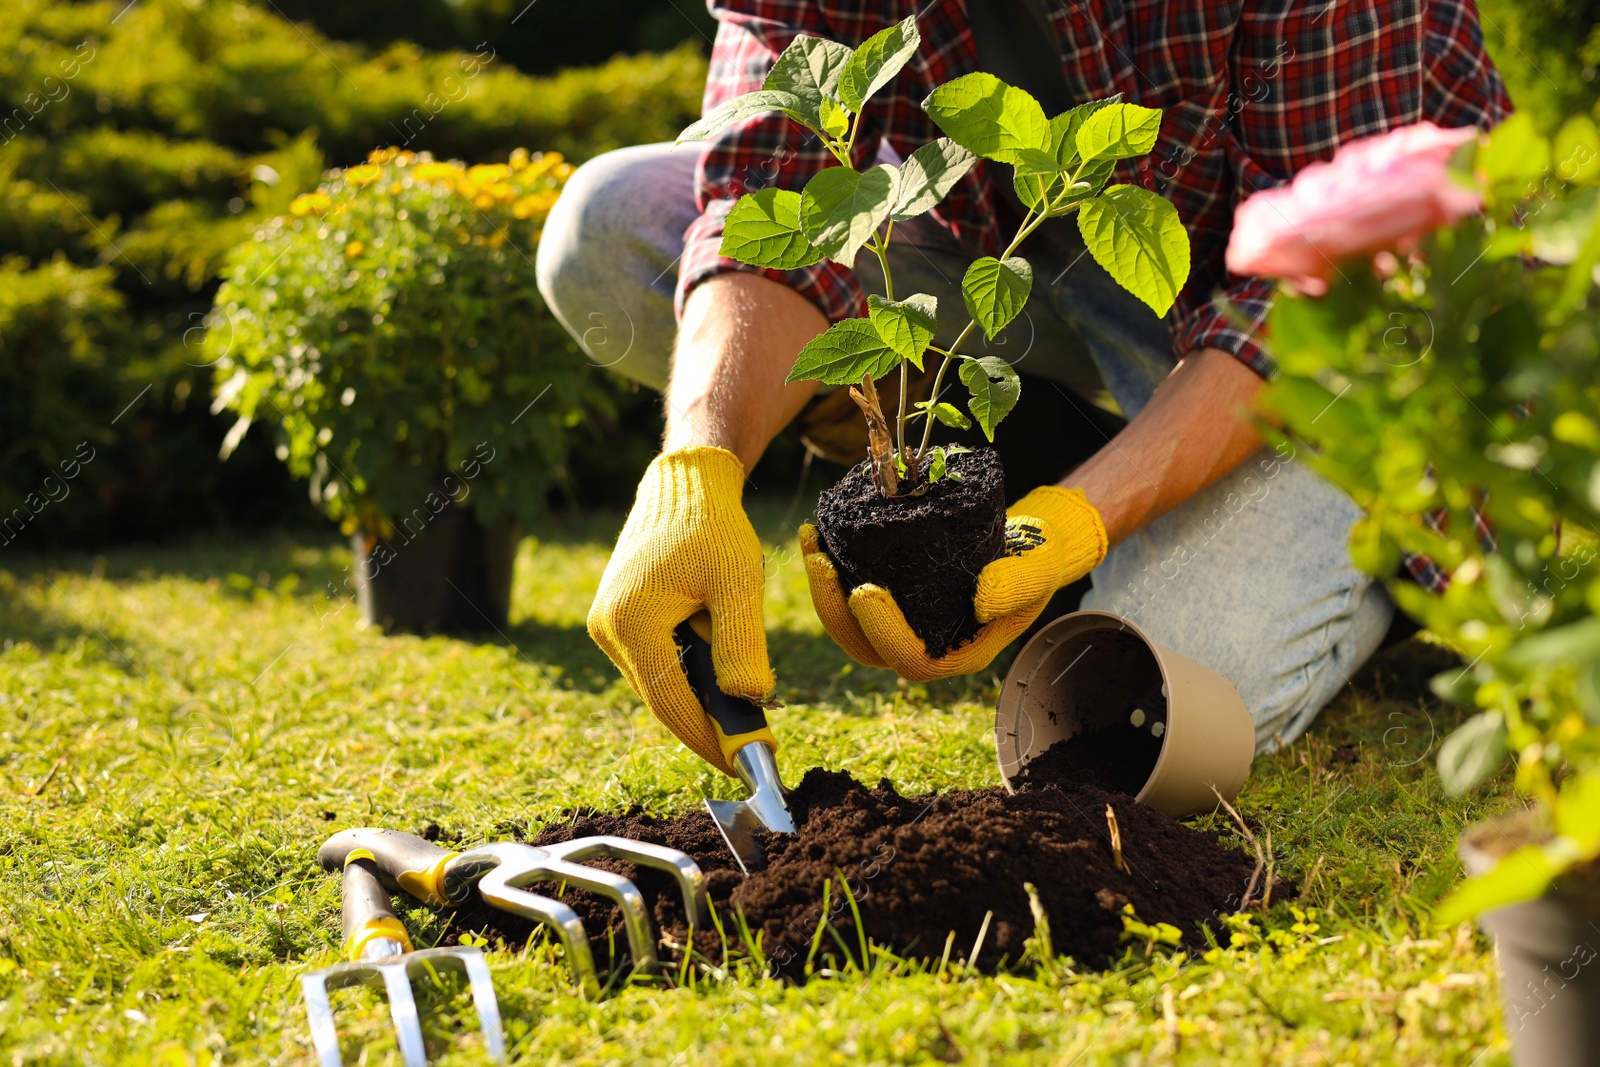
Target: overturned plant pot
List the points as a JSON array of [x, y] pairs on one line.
[[438, 572], [926, 549], [1549, 953], [1093, 699]]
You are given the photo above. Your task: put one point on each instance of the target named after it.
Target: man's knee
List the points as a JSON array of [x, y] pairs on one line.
[[587, 221]]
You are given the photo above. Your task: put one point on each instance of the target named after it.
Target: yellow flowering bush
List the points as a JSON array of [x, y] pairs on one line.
[[388, 327]]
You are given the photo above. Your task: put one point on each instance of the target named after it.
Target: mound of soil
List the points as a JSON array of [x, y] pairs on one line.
[[927, 550], [921, 868]]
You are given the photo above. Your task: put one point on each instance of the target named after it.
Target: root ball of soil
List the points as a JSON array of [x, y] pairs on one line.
[[921, 868], [927, 550]]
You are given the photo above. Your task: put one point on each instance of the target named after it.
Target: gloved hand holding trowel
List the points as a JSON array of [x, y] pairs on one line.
[[688, 546]]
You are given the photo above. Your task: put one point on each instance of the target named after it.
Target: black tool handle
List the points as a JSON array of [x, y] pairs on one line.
[[365, 903], [733, 715]]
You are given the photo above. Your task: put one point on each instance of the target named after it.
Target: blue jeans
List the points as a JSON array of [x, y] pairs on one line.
[[1251, 577]]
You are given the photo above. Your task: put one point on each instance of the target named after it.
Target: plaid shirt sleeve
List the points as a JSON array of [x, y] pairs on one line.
[[767, 150], [1302, 80]]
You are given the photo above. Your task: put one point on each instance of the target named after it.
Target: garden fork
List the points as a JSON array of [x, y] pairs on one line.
[[500, 871], [381, 956]]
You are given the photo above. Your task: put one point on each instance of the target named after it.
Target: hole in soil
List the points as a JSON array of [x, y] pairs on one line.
[[919, 868]]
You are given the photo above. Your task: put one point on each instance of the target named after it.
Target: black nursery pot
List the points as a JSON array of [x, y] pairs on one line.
[[1549, 954], [448, 574], [927, 550]]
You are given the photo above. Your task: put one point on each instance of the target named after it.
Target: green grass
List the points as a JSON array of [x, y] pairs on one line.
[[182, 726]]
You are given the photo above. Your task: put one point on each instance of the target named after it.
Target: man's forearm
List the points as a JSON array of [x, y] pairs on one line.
[[1195, 429], [738, 339]]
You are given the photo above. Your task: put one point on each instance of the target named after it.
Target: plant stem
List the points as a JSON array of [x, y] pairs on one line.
[[880, 247], [1030, 222]]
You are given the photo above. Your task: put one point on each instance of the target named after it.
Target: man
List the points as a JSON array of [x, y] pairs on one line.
[[1227, 552]]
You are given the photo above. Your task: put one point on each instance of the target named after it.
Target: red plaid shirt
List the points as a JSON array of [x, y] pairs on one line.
[[1252, 92]]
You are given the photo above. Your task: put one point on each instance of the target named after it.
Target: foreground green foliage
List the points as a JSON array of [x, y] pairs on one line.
[[1464, 382], [183, 727]]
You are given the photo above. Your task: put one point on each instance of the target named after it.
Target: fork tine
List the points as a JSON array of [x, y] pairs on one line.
[[684, 870], [319, 1014], [470, 962], [403, 1011]]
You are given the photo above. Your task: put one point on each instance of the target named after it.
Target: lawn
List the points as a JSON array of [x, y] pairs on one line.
[[184, 725]]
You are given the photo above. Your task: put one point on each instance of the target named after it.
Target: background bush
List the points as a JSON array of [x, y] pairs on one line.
[[138, 144], [389, 329]]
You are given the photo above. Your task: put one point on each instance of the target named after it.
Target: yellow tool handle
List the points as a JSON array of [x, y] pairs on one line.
[[737, 721], [368, 912], [402, 861]]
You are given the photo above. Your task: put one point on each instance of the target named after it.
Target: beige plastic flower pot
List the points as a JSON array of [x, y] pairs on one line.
[[1091, 671]]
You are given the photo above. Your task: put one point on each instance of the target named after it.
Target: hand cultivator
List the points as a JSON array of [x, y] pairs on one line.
[[377, 861]]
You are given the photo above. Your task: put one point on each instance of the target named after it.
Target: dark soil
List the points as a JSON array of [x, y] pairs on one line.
[[920, 868], [927, 550], [1118, 759]]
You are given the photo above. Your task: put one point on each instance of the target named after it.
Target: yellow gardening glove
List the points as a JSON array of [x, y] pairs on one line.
[[1053, 536], [687, 545]]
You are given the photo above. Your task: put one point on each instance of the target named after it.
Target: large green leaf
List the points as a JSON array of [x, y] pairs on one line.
[[877, 61], [995, 291], [986, 116], [905, 325], [742, 107], [843, 354], [1137, 237], [1065, 126], [763, 229], [809, 68], [1118, 131], [841, 208], [928, 176], [1473, 752], [994, 388]]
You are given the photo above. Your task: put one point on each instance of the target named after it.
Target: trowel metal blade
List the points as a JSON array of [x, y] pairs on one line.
[[739, 824]]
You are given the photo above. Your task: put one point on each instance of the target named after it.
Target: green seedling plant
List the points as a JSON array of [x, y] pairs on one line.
[[1062, 166]]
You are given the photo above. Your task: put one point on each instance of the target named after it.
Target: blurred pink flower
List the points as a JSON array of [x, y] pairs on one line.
[[1376, 194]]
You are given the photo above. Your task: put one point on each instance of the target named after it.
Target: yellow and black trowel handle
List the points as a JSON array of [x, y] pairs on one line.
[[737, 721], [372, 930], [405, 862]]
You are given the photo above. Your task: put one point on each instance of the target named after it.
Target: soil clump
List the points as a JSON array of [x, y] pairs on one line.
[[921, 869], [927, 550]]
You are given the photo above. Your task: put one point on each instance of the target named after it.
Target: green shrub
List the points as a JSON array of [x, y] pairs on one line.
[[389, 329], [145, 141], [1467, 379]]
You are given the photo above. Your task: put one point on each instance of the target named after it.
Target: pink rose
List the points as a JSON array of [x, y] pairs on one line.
[[1377, 193]]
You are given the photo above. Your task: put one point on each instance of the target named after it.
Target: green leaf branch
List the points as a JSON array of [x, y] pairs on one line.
[[1062, 165]]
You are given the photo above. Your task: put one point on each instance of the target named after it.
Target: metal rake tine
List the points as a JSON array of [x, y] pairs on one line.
[[470, 962], [684, 870], [635, 919], [497, 891]]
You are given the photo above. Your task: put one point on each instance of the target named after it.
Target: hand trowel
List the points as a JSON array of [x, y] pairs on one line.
[[748, 744]]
